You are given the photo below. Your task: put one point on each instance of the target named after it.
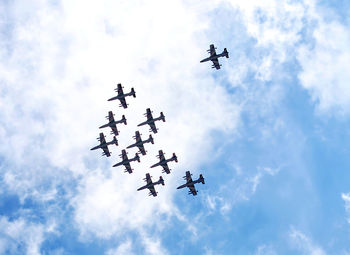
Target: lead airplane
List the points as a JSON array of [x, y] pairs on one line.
[[139, 143], [190, 183], [215, 57], [126, 161], [113, 123], [121, 95], [150, 120], [104, 145], [164, 162], [150, 185]]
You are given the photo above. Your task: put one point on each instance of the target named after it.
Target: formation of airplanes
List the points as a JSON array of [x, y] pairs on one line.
[[139, 143]]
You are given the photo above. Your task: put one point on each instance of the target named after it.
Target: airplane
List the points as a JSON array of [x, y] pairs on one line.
[[164, 162], [121, 95], [215, 57], [151, 121], [190, 183], [150, 185], [139, 143], [126, 161], [104, 145], [113, 123]]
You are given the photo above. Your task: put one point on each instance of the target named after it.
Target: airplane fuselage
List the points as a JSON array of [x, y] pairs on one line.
[[137, 144], [149, 121], [213, 57], [120, 96], [110, 124], [163, 162], [99, 146], [189, 184], [146, 186], [126, 161], [129, 160], [150, 185]]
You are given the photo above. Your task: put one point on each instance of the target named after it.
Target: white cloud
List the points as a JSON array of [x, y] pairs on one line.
[[62, 65], [21, 237], [304, 244], [62, 68], [123, 249], [325, 67], [346, 198], [265, 250], [245, 186]]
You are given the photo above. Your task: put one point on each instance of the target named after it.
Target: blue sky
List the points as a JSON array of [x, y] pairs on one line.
[[269, 131]]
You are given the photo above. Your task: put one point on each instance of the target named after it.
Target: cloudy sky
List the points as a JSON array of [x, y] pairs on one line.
[[269, 131]]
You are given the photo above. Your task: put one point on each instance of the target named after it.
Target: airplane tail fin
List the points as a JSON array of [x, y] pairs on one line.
[[161, 180], [201, 179], [162, 116], [175, 157], [151, 139], [133, 92], [124, 119], [225, 52]]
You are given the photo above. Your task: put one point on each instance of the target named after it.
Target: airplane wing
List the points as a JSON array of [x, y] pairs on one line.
[[121, 93], [161, 155], [114, 129], [216, 63], [192, 190], [141, 149], [137, 136], [149, 114], [140, 146], [150, 117], [164, 165], [153, 191], [106, 151], [128, 167], [188, 176], [148, 178], [123, 102], [212, 50], [110, 116], [153, 127], [166, 168], [120, 89], [102, 138], [126, 163], [151, 187], [124, 156]]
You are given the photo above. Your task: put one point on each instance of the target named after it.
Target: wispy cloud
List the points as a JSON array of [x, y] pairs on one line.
[[304, 244], [346, 198]]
